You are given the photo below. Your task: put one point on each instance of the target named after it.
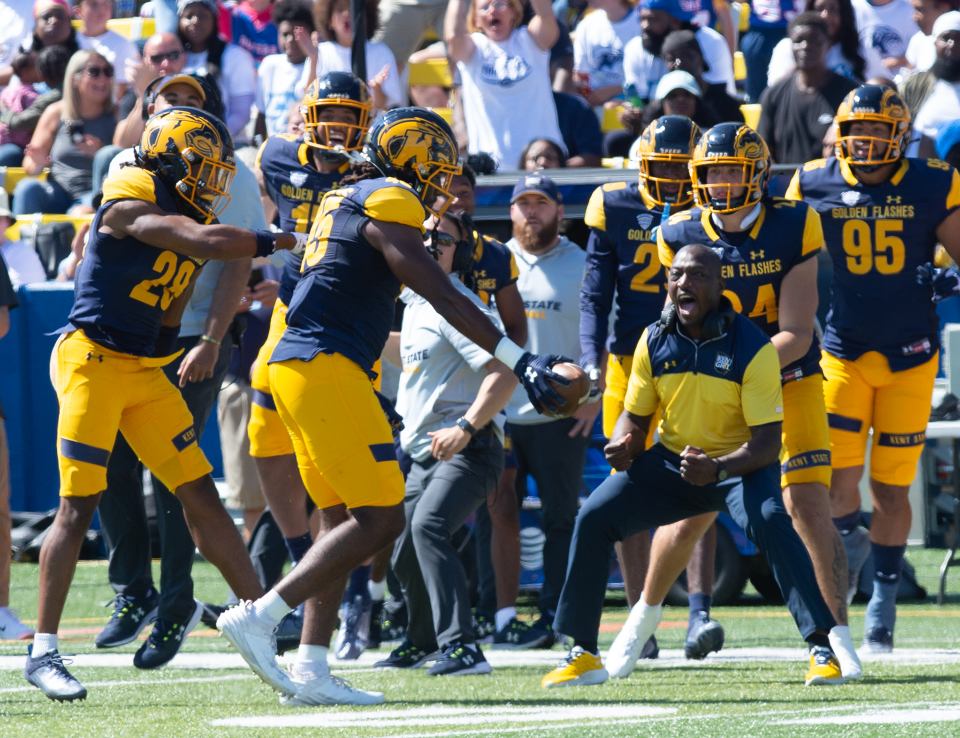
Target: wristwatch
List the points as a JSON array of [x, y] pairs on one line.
[[722, 473], [464, 424]]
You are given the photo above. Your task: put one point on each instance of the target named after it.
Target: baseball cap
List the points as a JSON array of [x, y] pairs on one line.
[[947, 22], [676, 80], [539, 183], [682, 10], [181, 79]]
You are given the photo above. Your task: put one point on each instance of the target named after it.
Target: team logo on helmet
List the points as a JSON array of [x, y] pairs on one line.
[[733, 145], [669, 139], [341, 90]]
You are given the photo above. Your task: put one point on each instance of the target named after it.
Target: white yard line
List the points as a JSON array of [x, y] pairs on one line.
[[144, 683]]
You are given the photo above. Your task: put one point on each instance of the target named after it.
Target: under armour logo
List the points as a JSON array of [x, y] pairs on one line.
[[531, 374], [467, 659], [90, 357], [893, 199], [669, 364], [138, 613], [756, 254], [513, 637]]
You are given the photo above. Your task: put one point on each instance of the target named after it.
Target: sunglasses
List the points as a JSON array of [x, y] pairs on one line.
[[489, 7], [443, 239], [94, 72], [157, 59]]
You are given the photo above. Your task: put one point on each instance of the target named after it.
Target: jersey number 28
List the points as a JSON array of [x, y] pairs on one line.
[[172, 281]]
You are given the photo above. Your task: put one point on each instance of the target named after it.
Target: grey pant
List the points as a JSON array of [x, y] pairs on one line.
[[556, 462], [440, 497]]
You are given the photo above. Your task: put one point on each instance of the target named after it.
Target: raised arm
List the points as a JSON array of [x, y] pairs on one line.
[[543, 27], [460, 46]]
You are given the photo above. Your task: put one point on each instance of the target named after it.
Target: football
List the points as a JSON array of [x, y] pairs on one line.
[[575, 393]]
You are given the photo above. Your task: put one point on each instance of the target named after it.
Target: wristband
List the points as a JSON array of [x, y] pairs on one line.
[[508, 352], [465, 425], [210, 339], [266, 243]]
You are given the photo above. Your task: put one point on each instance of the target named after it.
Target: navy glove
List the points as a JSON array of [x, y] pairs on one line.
[[393, 417], [534, 371], [945, 282]]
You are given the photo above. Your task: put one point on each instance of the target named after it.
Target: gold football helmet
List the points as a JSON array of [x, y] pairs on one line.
[[671, 138], [340, 89], [878, 104], [191, 152], [416, 141], [731, 144]]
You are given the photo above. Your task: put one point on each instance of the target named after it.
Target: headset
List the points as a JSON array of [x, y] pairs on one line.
[[716, 324]]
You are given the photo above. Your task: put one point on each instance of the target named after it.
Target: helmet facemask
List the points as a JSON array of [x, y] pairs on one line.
[[655, 187], [331, 136], [754, 182], [893, 141], [205, 183]]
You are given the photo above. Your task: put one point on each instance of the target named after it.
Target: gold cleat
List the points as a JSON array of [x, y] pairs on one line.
[[824, 667], [578, 667]]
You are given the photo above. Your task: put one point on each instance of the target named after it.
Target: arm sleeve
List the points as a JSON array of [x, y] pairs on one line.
[[642, 398], [475, 356], [812, 235], [599, 282], [130, 183], [760, 393]]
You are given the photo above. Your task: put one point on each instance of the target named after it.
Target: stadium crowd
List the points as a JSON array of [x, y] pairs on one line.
[[264, 117]]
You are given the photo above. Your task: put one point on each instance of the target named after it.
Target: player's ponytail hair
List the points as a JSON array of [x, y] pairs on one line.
[[359, 171]]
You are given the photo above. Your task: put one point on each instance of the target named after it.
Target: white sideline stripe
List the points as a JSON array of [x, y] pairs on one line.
[[884, 717], [424, 716], [142, 683]]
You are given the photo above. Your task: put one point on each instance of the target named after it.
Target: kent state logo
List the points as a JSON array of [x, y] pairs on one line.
[[723, 363], [645, 220], [298, 179]]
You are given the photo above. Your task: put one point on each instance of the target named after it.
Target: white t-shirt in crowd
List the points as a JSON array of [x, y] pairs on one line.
[[16, 25], [644, 70], [940, 108], [276, 80], [22, 263], [598, 47], [507, 98], [922, 51], [782, 64], [113, 47], [886, 28], [332, 57], [238, 78]]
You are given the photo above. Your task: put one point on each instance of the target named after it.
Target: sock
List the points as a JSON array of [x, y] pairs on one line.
[[588, 646], [848, 523], [311, 653], [846, 653], [271, 608], [377, 590], [888, 561], [43, 643], [882, 608], [699, 601], [504, 616], [359, 580], [298, 547], [820, 639]]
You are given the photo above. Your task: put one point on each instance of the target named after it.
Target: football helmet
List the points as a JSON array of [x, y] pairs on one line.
[[340, 89], [191, 152], [878, 104], [730, 144], [671, 138], [416, 146]]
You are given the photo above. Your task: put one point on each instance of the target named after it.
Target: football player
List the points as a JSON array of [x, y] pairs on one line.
[[366, 241], [147, 243], [883, 215], [622, 258]]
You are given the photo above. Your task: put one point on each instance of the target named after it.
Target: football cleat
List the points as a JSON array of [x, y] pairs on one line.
[[484, 628], [458, 660], [211, 612], [354, 628], [878, 640], [49, 674], [407, 656], [824, 667], [165, 640], [650, 650], [517, 635], [325, 689], [130, 616], [11, 629], [704, 636], [257, 643], [290, 630], [577, 668]]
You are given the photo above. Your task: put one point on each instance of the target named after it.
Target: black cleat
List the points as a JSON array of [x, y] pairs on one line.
[[460, 660], [651, 649], [704, 636], [165, 640], [484, 628], [130, 616], [407, 656], [49, 674], [517, 635], [289, 631], [211, 612]]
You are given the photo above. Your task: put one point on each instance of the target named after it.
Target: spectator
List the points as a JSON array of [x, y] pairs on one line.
[[335, 26], [948, 144], [797, 111], [52, 65], [52, 26], [580, 130], [67, 138], [95, 36], [402, 25], [11, 627], [23, 264], [231, 66], [16, 25], [552, 451], [598, 49], [679, 94], [255, 29], [921, 50], [642, 64], [505, 72], [942, 105], [768, 26], [541, 153], [846, 56], [279, 73], [163, 56], [16, 98], [887, 26]]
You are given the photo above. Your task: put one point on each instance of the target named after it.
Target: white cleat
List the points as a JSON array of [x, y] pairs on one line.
[[257, 643], [846, 654], [325, 689], [641, 624]]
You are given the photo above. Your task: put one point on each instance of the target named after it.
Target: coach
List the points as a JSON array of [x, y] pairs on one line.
[[716, 377], [552, 451]]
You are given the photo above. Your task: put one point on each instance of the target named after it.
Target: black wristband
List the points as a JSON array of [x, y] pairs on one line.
[[466, 425], [266, 243]]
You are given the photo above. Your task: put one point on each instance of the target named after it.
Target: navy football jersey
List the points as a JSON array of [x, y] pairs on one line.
[[296, 188], [344, 301], [621, 256], [877, 236], [123, 286], [785, 234], [495, 268]]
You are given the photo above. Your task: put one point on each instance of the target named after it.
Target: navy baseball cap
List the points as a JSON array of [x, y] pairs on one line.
[[539, 183], [682, 10]]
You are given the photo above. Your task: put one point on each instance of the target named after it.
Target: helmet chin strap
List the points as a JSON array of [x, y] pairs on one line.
[[434, 236]]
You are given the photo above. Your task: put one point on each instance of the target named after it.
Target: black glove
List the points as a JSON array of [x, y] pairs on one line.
[[945, 282], [534, 370], [393, 417]]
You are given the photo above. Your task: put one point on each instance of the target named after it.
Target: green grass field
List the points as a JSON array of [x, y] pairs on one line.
[[754, 688]]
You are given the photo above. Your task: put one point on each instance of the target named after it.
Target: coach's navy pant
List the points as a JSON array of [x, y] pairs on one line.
[[652, 493]]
